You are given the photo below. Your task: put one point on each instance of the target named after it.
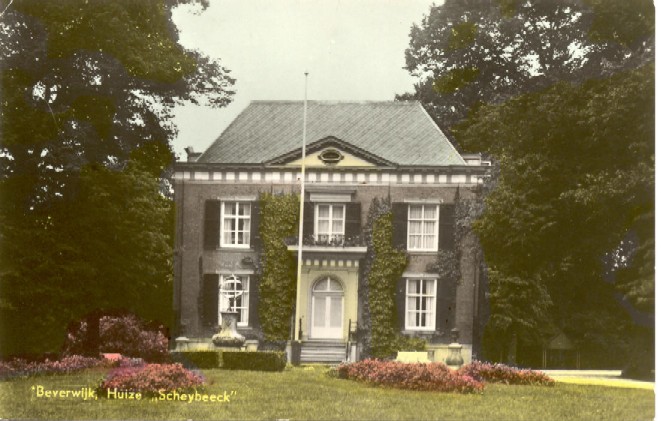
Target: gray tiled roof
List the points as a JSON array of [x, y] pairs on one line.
[[400, 132]]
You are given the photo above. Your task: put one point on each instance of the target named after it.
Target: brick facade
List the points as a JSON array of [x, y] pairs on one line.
[[346, 192]]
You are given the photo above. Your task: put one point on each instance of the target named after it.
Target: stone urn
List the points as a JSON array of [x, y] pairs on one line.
[[227, 336], [454, 359]]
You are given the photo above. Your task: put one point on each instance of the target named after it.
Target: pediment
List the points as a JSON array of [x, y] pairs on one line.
[[331, 152]]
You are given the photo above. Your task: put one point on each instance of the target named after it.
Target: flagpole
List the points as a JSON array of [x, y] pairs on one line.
[[299, 265]]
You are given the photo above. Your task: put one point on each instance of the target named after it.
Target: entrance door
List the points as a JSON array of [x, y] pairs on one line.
[[327, 309]]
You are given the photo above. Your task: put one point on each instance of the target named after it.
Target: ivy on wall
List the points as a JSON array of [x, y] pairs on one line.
[[384, 265], [277, 288]]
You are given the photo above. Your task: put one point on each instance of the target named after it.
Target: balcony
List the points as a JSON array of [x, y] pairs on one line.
[[329, 244]]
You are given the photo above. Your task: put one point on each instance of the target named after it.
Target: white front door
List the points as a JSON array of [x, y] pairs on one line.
[[327, 309]]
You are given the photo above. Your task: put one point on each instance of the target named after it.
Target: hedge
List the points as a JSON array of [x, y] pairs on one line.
[[198, 359], [256, 361]]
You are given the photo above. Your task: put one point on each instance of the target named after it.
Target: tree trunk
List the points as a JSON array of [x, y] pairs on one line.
[[511, 352], [93, 334]]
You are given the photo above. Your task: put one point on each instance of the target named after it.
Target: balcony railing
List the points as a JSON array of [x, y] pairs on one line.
[[328, 241]]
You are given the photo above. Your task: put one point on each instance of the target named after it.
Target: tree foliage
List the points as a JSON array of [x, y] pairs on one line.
[[574, 194], [467, 53], [88, 89], [560, 93], [110, 249]]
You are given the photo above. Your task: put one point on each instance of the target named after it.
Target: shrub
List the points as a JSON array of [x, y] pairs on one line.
[[434, 376], [69, 364], [501, 373], [198, 359], [410, 343], [149, 379], [256, 361], [332, 372], [126, 334]]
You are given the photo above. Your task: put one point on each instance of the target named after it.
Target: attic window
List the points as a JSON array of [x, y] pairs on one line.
[[330, 156]]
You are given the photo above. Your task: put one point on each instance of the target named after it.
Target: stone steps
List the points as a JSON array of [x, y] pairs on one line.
[[323, 352]]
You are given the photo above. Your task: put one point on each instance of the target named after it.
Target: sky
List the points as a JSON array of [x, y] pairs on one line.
[[352, 49]]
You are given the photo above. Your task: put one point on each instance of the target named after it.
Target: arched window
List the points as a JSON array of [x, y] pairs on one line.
[[327, 285]]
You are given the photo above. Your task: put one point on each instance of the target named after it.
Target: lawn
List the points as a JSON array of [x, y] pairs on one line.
[[298, 393]]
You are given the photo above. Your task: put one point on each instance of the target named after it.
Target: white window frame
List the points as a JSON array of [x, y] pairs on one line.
[[330, 220], [236, 218], [223, 302], [422, 221], [431, 325]]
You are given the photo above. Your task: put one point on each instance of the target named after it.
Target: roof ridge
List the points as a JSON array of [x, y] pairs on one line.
[[330, 101]]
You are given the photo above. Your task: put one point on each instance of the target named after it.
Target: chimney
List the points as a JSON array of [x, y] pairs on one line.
[[192, 155]]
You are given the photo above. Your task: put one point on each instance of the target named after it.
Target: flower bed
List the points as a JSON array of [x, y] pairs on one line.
[[149, 379], [434, 376], [69, 364], [501, 373]]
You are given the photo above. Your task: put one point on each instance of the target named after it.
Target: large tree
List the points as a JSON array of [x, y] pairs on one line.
[[574, 200], [469, 52], [88, 89]]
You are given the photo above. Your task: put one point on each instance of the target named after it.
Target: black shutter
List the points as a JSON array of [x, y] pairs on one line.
[[209, 300], [308, 219], [445, 298], [254, 225], [400, 216], [446, 228], [211, 224], [400, 300], [253, 304], [352, 224]]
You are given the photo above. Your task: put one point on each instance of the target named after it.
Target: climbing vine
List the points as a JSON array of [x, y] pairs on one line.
[[384, 265], [277, 288]]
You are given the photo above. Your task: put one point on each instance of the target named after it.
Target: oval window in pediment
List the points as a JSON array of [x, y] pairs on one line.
[[330, 156]]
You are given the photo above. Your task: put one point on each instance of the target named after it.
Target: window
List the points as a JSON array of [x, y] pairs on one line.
[[329, 223], [423, 227], [421, 304], [234, 295], [235, 224]]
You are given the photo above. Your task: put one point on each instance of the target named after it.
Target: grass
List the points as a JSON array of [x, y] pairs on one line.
[[308, 394]]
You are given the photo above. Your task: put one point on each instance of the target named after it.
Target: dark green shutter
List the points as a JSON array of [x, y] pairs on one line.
[[254, 225], [209, 300], [400, 216], [352, 224], [253, 304], [445, 298], [211, 224], [400, 300], [308, 219], [446, 228]]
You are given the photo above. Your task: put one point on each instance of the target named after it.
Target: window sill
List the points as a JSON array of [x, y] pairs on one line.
[[236, 249], [422, 252], [419, 330]]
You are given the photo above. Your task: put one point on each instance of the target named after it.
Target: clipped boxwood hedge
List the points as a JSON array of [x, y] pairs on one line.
[[198, 359], [256, 361]]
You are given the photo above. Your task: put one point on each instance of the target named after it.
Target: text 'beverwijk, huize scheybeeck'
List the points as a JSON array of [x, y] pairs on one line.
[[87, 393]]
